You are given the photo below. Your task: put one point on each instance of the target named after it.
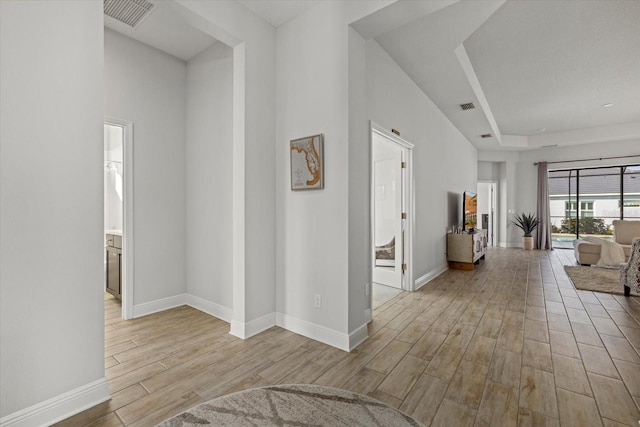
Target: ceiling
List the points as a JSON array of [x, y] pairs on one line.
[[539, 72], [165, 30], [278, 12]]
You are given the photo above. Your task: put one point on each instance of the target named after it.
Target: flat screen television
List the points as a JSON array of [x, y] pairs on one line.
[[470, 210]]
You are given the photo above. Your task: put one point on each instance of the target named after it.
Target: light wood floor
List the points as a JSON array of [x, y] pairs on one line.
[[511, 343]]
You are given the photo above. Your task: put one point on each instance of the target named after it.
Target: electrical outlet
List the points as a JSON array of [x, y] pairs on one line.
[[317, 301], [366, 289]]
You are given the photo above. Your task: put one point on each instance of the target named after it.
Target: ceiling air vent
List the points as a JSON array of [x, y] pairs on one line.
[[130, 12], [467, 106], [485, 135]]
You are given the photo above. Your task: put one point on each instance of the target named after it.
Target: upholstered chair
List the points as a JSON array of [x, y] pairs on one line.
[[630, 271]]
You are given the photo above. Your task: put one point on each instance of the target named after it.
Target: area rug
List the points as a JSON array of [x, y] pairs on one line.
[[296, 405], [596, 279]]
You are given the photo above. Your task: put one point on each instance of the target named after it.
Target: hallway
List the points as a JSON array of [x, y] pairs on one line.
[[510, 343]]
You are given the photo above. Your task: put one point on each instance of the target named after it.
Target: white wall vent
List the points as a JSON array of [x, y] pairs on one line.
[[485, 135], [467, 106], [130, 12]]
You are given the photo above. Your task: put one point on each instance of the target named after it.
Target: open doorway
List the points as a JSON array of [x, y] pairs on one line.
[[390, 215], [118, 213], [487, 209]]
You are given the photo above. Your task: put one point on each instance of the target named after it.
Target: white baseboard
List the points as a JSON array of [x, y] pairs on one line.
[[359, 336], [509, 245], [346, 342], [60, 407], [423, 280], [254, 327], [241, 330], [211, 308], [237, 329], [146, 308], [315, 332]]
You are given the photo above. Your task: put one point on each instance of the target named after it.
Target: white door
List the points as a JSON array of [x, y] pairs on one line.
[[388, 235]]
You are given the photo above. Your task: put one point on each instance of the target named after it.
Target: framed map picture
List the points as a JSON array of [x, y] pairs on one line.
[[307, 163]]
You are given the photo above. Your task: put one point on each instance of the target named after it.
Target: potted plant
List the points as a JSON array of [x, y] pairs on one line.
[[527, 223]]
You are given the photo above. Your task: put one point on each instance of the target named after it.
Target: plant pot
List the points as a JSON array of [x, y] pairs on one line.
[[527, 243]]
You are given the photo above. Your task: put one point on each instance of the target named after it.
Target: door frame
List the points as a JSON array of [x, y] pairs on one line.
[[407, 283], [493, 189], [127, 214]]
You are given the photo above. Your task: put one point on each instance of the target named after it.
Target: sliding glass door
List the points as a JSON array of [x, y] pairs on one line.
[[584, 202], [631, 196], [563, 207]]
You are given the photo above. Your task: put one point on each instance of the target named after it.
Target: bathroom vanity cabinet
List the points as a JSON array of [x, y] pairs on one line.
[[113, 245]]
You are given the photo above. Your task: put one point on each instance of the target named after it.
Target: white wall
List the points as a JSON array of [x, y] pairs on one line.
[[360, 239], [259, 173], [253, 42], [209, 174], [51, 207], [312, 229], [444, 161], [148, 87], [488, 171], [512, 203], [323, 236]]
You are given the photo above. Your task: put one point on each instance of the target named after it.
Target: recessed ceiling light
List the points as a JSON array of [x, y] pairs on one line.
[[607, 105]]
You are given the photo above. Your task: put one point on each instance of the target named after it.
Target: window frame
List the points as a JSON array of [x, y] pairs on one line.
[[580, 204]]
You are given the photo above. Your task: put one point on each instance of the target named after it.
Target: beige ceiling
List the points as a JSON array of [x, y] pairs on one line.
[[538, 71]]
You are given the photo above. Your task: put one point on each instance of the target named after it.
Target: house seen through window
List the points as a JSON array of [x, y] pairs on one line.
[[586, 201]]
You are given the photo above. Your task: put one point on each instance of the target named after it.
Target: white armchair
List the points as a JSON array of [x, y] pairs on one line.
[[630, 271]]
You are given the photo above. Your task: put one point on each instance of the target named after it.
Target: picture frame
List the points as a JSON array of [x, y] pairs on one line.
[[307, 163]]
